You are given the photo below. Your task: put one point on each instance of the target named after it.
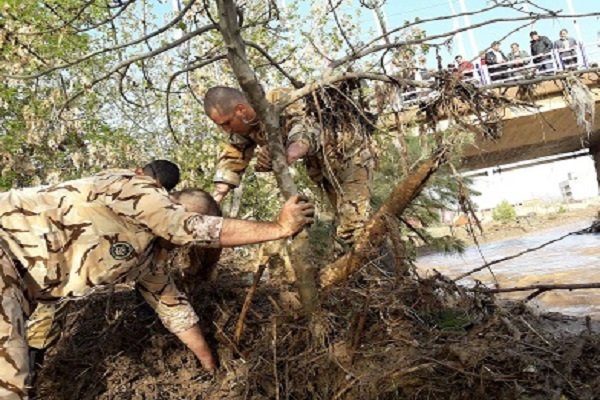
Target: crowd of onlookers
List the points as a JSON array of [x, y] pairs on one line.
[[518, 62]]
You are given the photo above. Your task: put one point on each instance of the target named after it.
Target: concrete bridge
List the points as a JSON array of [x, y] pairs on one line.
[[549, 131]]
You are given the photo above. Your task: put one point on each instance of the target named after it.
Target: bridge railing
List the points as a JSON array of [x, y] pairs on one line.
[[583, 55]]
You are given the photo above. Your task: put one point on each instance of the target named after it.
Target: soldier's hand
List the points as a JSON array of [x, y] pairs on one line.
[[295, 214], [220, 191], [296, 151], [263, 160]]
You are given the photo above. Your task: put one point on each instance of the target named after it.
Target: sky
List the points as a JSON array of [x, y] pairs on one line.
[[467, 44]]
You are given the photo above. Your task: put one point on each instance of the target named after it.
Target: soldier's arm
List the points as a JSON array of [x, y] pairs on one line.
[[175, 311], [304, 136], [143, 203], [231, 165]]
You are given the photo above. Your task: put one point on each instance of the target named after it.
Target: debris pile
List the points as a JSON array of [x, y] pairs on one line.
[[381, 336]]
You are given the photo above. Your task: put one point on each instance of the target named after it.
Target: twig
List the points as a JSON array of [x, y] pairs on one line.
[[239, 326], [513, 329], [528, 325], [511, 257], [545, 287], [360, 328], [275, 373]]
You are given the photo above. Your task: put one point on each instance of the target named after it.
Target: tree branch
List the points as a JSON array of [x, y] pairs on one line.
[[68, 23], [192, 67], [540, 287], [375, 229], [105, 50], [137, 58], [511, 257], [297, 84]]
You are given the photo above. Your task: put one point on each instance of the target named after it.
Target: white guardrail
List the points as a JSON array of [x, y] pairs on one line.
[[582, 56]]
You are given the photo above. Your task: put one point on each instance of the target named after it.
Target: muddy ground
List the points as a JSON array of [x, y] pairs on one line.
[[378, 337]]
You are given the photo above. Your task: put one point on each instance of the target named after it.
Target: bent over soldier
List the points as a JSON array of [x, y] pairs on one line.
[[337, 158], [194, 262], [65, 240]]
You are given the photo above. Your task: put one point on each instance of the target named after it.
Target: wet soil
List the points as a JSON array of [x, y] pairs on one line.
[[378, 337]]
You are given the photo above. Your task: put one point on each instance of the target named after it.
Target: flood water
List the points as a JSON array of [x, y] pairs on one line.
[[575, 259]]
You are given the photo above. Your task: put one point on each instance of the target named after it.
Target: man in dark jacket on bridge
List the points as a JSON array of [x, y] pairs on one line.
[[541, 46]]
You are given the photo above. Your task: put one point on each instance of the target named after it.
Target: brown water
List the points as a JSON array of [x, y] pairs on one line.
[[575, 259]]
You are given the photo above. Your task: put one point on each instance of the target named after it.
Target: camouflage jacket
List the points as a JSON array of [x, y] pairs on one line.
[[77, 235], [238, 152]]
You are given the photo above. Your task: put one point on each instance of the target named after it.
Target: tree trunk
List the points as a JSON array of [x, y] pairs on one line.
[[376, 227], [268, 115]]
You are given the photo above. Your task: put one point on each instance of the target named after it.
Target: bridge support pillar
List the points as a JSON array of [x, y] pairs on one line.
[[595, 152]]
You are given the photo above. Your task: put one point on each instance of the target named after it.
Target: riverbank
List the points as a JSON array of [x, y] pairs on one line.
[[531, 218]]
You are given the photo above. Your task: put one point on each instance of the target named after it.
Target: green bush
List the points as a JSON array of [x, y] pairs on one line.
[[504, 212]]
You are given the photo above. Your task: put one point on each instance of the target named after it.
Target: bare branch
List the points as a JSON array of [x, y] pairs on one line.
[[140, 57], [426, 20], [193, 67], [541, 287], [105, 50], [297, 84], [511, 257]]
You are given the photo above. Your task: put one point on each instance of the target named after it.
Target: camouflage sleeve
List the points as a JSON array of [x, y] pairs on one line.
[[299, 126], [234, 160], [142, 202], [303, 129], [171, 305]]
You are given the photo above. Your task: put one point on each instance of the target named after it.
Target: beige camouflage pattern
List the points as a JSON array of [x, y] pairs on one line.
[[14, 353], [340, 161], [73, 237], [237, 154], [44, 325]]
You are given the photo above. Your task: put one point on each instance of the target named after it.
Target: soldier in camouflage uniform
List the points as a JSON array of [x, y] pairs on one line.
[[65, 240], [194, 262], [341, 161]]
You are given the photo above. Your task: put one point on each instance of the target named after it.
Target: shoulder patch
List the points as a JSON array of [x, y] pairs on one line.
[[121, 250]]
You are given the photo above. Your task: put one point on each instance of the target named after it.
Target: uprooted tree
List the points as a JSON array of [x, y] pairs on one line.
[[86, 79]]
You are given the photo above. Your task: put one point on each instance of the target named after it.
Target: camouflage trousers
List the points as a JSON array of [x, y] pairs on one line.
[[348, 186], [14, 353]]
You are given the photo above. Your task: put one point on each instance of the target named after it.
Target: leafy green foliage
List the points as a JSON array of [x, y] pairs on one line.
[[504, 212]]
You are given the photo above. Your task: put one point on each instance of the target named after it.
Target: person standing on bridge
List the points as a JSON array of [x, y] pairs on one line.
[[566, 49], [541, 48], [496, 62]]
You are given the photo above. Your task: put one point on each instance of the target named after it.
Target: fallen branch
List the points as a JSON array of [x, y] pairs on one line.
[[239, 326], [544, 287], [375, 229], [498, 261]]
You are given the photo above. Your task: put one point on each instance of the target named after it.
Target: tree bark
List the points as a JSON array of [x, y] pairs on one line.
[[269, 116], [375, 230]]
